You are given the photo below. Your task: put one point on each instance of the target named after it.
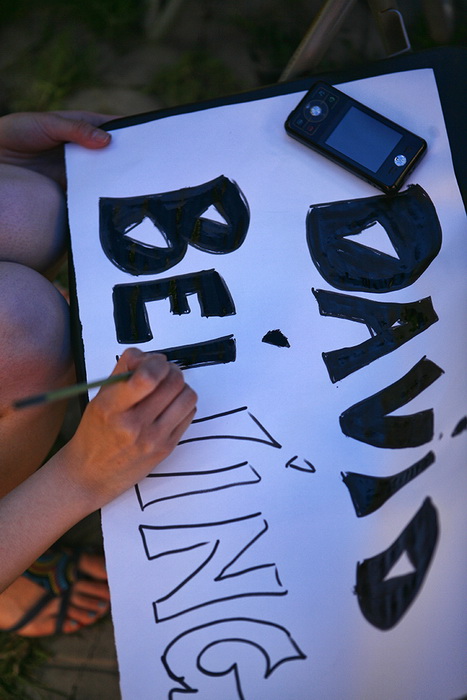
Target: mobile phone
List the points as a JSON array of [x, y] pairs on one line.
[[356, 137]]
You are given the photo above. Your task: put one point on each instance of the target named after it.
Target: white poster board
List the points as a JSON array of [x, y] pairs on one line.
[[257, 561]]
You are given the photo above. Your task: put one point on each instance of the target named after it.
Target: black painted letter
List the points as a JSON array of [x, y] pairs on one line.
[[131, 319], [368, 493], [368, 421], [410, 220], [178, 218], [390, 325], [384, 601]]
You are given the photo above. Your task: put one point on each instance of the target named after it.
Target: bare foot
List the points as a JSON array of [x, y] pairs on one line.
[[89, 601]]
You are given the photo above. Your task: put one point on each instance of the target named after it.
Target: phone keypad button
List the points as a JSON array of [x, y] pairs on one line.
[[316, 110]]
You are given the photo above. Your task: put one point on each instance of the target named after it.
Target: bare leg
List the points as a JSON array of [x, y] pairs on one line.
[[35, 355], [34, 327], [32, 219]]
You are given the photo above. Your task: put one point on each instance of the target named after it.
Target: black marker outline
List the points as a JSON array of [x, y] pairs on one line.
[[200, 473], [221, 576], [272, 442], [297, 654], [311, 470]]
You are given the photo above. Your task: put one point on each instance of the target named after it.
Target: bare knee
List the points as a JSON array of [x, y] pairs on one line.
[[32, 218], [34, 356], [34, 332]]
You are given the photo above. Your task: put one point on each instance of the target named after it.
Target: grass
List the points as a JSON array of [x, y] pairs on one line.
[[68, 39], [20, 659], [272, 41], [196, 75], [60, 66], [63, 48], [108, 19]]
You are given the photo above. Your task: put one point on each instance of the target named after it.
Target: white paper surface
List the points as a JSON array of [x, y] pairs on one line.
[[277, 546]]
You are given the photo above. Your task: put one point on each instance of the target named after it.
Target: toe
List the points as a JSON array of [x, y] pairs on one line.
[[93, 605], [78, 616], [93, 565], [92, 588]]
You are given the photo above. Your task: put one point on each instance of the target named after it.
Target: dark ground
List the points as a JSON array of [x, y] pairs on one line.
[[126, 57]]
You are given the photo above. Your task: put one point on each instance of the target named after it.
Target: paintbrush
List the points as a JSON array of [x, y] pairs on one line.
[[66, 392]]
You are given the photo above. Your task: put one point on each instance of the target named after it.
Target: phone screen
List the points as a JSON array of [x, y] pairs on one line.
[[363, 139]]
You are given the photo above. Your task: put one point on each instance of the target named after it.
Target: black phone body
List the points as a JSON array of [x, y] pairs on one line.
[[356, 137]]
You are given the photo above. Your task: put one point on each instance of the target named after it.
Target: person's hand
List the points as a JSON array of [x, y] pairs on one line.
[[35, 140], [129, 427]]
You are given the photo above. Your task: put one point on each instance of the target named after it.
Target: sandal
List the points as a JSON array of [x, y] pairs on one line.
[[55, 571]]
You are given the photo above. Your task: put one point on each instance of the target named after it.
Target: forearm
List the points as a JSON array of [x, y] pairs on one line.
[[125, 431], [35, 514]]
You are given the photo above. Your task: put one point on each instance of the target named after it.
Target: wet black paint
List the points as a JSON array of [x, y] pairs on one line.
[[178, 216], [390, 326], [368, 493], [460, 427], [129, 300], [218, 351], [384, 602], [277, 338], [410, 220], [368, 421]]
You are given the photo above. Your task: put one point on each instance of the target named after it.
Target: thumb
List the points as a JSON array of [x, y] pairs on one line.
[[64, 129]]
